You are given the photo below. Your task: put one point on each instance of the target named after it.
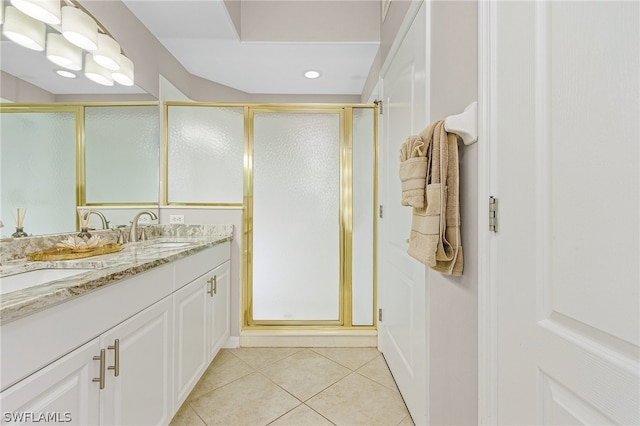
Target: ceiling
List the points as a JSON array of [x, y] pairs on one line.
[[266, 52]]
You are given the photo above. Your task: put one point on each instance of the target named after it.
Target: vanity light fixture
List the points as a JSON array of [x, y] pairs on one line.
[[96, 72], [312, 74], [108, 53], [23, 29], [79, 28], [124, 75], [66, 74], [105, 62], [47, 11], [63, 53]]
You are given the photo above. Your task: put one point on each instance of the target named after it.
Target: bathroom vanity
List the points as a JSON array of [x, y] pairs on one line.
[[123, 342]]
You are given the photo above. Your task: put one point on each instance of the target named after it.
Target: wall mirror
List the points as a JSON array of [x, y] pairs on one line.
[[54, 157]]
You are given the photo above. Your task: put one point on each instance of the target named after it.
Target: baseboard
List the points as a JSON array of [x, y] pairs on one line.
[[232, 342], [309, 338]]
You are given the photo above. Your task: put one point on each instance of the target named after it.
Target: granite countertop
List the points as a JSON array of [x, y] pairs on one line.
[[134, 258]]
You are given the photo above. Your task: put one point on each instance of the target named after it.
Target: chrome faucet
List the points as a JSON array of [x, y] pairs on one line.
[[105, 222], [133, 234]]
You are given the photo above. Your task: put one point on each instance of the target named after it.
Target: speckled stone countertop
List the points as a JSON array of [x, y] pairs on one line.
[[134, 258]]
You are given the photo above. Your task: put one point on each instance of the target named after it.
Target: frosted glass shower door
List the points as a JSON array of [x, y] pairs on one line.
[[296, 217]]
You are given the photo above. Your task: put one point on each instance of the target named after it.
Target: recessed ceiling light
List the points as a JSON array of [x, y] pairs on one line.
[[312, 74], [66, 74]]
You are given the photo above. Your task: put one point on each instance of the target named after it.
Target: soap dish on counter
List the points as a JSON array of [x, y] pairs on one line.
[[68, 253]]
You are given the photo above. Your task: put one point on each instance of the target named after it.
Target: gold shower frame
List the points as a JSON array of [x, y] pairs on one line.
[[346, 200]]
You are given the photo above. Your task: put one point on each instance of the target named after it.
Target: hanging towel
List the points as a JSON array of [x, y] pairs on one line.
[[435, 229], [414, 169]]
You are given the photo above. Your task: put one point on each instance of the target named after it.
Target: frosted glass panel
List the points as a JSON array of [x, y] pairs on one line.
[[363, 211], [296, 193], [121, 150], [206, 154], [38, 171]]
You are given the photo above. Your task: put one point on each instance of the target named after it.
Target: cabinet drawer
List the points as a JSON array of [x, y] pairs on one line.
[[38, 339], [196, 265]]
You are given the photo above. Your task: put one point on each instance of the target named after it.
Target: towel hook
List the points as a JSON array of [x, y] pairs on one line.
[[464, 124]]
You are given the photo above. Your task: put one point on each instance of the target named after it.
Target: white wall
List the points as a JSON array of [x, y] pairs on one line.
[[452, 307]]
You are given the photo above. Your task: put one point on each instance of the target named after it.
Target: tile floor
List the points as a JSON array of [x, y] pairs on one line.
[[295, 386]]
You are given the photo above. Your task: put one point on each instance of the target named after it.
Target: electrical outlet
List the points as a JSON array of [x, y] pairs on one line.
[[176, 218], [144, 219]]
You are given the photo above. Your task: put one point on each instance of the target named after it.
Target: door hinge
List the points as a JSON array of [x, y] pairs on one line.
[[378, 103], [493, 214], [379, 314], [380, 211]]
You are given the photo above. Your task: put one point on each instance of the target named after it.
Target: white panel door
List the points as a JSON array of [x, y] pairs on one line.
[[402, 330], [140, 393], [191, 310], [565, 153], [61, 393]]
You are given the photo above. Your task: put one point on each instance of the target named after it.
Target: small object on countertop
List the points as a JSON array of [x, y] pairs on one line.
[[83, 215], [78, 243], [19, 233]]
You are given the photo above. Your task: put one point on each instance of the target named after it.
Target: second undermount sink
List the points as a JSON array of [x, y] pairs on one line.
[[36, 277], [169, 244]]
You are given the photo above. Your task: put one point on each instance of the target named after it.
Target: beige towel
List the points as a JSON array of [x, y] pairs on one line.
[[414, 169], [435, 229]]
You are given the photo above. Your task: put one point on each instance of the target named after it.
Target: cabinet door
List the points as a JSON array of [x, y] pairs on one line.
[[191, 305], [220, 310], [61, 392], [140, 394]]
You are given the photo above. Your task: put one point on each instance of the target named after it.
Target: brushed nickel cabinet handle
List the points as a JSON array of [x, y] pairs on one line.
[[212, 286], [116, 357], [100, 358], [215, 284]]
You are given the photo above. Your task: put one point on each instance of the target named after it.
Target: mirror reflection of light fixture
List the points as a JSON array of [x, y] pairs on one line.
[[79, 28], [23, 29], [108, 53], [124, 75], [96, 72], [43, 10], [63, 53]]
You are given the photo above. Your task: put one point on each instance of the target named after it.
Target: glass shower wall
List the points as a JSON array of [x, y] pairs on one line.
[[364, 209], [296, 216], [205, 154]]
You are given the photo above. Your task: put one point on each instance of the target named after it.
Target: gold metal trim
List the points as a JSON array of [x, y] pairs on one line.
[[345, 218]]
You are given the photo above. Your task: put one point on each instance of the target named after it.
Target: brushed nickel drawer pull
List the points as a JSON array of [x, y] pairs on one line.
[[102, 363], [215, 284], [212, 286], [116, 357]]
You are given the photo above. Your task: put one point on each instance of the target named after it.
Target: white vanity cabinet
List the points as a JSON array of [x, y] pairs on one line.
[[138, 379], [116, 356], [201, 318], [63, 391]]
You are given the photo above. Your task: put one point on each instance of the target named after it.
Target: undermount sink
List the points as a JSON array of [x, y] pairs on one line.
[[36, 277], [170, 244]]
